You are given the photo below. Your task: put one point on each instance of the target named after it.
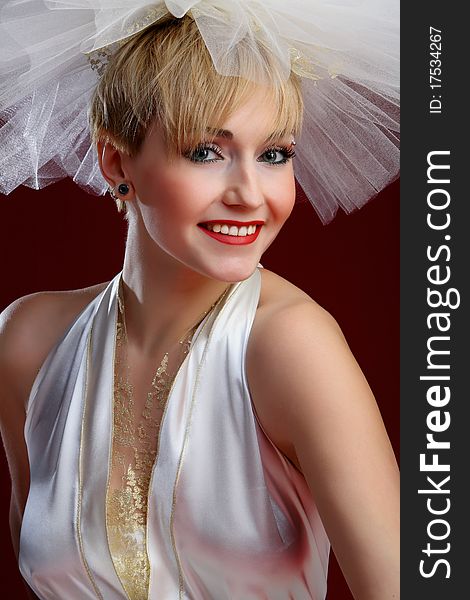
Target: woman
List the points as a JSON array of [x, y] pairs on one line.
[[188, 434]]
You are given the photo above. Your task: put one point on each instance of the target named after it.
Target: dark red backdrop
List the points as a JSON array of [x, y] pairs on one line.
[[62, 238]]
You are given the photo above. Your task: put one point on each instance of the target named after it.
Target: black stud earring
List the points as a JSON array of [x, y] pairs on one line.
[[123, 189]]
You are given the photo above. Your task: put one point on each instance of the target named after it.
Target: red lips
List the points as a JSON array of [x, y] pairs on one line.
[[237, 223], [232, 239]]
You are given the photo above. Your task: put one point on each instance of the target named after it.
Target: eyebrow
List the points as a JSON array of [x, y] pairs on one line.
[[225, 133]]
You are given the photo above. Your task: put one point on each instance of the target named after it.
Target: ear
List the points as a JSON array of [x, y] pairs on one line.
[[111, 165]]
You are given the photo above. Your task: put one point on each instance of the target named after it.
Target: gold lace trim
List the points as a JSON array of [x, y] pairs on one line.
[[134, 448]]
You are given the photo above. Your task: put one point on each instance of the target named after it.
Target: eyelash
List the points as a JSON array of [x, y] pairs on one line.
[[288, 152]]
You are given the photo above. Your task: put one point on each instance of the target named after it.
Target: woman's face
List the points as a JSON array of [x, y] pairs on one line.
[[198, 207]]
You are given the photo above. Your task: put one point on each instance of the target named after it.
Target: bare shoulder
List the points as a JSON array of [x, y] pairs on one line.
[[282, 306], [292, 338], [288, 326], [306, 385], [31, 326]]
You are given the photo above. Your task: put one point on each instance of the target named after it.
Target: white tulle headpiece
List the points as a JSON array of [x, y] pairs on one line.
[[52, 53]]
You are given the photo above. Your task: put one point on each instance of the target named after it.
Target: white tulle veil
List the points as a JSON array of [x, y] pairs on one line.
[[346, 51]]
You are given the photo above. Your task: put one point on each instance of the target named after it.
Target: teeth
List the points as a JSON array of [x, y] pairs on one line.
[[232, 230]]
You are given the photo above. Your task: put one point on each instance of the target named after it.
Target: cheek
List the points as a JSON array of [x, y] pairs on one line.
[[184, 201], [175, 199], [283, 198]]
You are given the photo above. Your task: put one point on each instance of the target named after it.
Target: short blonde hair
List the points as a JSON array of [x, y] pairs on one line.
[[165, 74]]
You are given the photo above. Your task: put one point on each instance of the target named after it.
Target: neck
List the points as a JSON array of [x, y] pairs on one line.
[[163, 297]]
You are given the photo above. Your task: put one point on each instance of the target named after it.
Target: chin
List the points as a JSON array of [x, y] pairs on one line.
[[231, 271]]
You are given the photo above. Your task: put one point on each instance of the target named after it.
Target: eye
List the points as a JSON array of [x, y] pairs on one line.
[[202, 153], [277, 155]]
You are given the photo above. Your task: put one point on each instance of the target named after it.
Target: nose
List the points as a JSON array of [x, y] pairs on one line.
[[243, 187]]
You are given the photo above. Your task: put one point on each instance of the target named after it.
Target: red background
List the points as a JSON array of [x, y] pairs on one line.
[[62, 238]]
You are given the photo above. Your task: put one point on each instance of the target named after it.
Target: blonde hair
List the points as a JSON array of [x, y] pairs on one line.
[[166, 74]]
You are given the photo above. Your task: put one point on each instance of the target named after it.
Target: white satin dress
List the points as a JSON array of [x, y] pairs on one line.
[[229, 517]]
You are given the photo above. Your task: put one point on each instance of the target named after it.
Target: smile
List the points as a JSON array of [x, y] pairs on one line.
[[232, 232]]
